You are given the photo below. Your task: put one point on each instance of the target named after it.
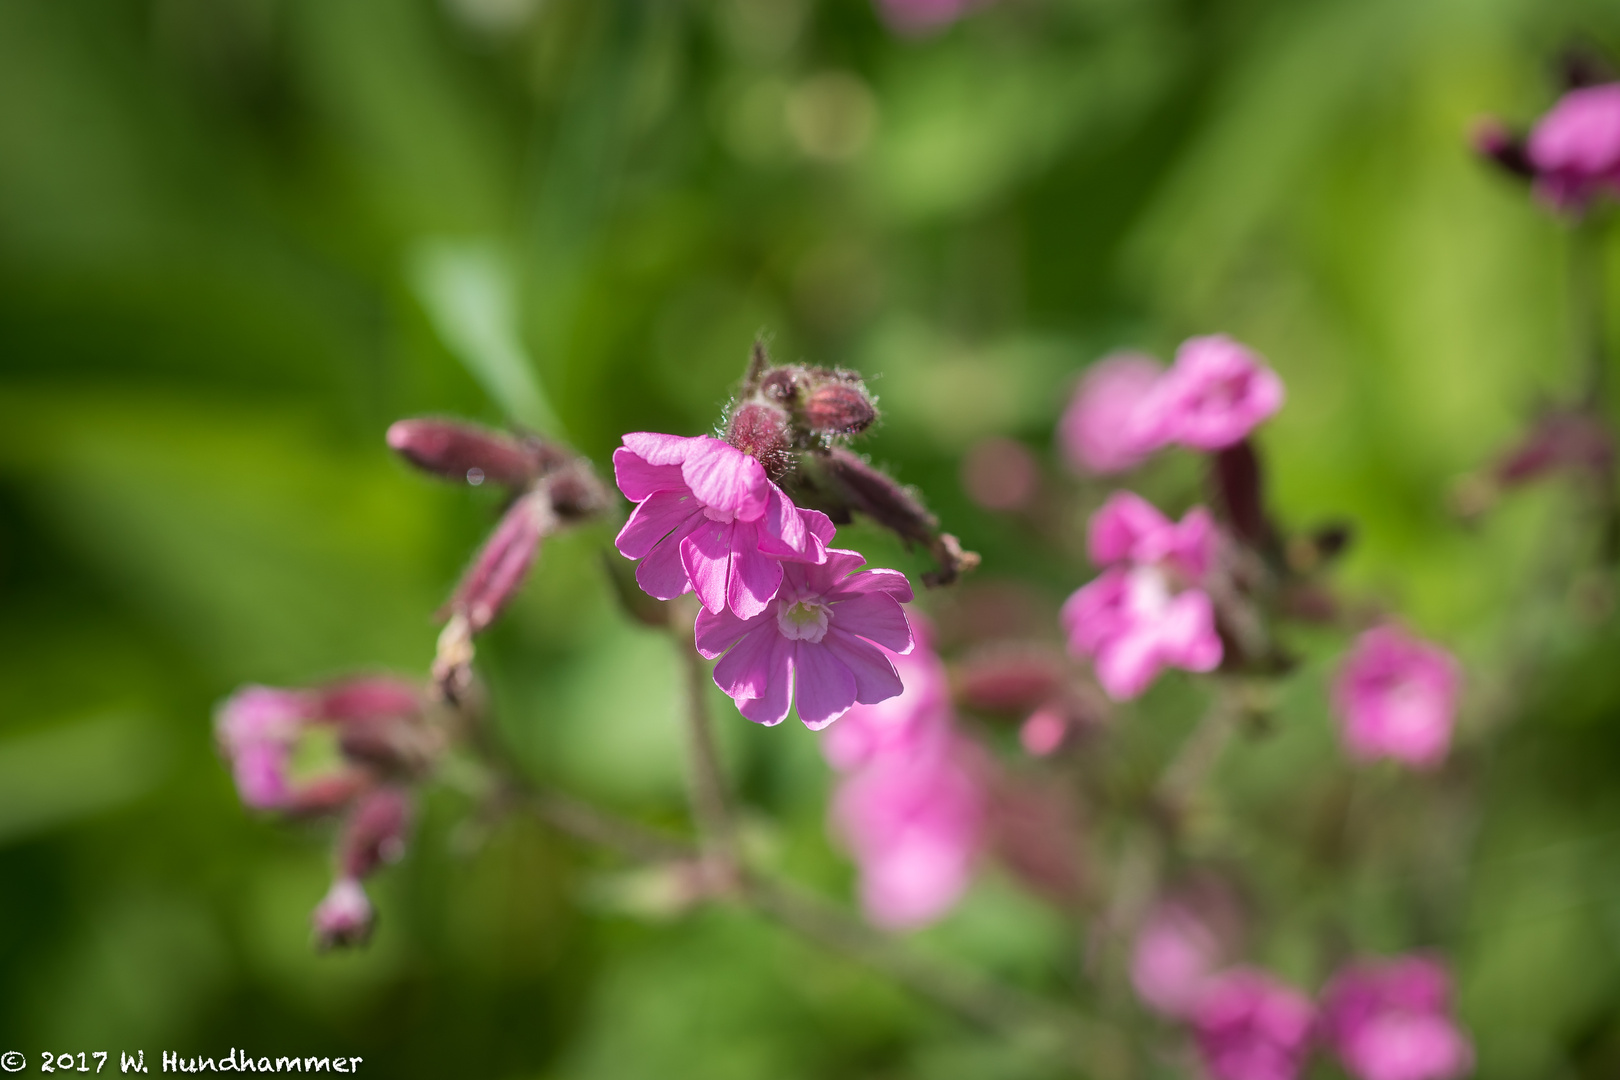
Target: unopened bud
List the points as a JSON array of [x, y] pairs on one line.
[[369, 698], [1581, 66], [575, 491], [857, 485], [503, 561], [344, 917], [761, 432], [839, 407], [1566, 439], [1493, 141], [468, 452], [375, 832], [782, 384], [1010, 679]]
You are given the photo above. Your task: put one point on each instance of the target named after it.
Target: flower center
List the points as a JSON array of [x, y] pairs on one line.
[[724, 517], [802, 620]]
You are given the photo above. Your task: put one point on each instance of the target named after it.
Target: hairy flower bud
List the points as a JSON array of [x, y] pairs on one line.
[[839, 406], [344, 916], [460, 451], [375, 832], [503, 561], [860, 486], [761, 431]]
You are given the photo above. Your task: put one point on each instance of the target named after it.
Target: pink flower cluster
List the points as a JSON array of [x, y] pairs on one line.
[[1383, 1020], [1127, 406], [377, 726], [1396, 697], [1147, 610], [911, 806], [1575, 149], [793, 620]]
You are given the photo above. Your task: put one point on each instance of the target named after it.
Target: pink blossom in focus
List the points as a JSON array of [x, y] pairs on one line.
[[1100, 433], [914, 826], [1146, 611], [1249, 1026], [922, 16], [344, 915], [1575, 149], [1391, 1020], [914, 722], [1173, 958], [1215, 393], [1396, 697], [257, 727], [708, 519], [820, 642]]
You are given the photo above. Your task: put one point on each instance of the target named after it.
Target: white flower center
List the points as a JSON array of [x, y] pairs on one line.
[[724, 517], [802, 620]]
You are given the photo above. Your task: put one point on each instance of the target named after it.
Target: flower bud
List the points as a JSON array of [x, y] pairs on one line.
[[839, 406], [1565, 439], [368, 699], [467, 452], [375, 832], [575, 491], [1010, 678], [344, 917], [761, 432], [1493, 141], [503, 561]]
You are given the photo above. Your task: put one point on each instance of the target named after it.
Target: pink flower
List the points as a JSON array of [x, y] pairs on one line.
[[1145, 612], [1575, 149], [1396, 697], [257, 727], [708, 519], [821, 641], [1100, 433], [1212, 397], [915, 721], [914, 826], [1174, 956], [1248, 1026], [1391, 1021]]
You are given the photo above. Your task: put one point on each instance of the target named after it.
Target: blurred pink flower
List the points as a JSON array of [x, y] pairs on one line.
[[914, 826], [1147, 611], [1575, 149], [1099, 432], [916, 721], [1215, 393], [1391, 1020], [1175, 954], [922, 16], [708, 519], [1249, 1026], [257, 727], [344, 915], [1396, 697], [821, 642]]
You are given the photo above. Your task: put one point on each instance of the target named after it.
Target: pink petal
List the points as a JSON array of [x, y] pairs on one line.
[[1122, 524], [882, 581], [755, 576], [745, 671], [658, 449], [1126, 665], [726, 479], [706, 555], [662, 574], [826, 687], [875, 676], [1188, 630], [781, 530], [717, 631], [771, 706], [656, 517], [874, 615], [639, 479]]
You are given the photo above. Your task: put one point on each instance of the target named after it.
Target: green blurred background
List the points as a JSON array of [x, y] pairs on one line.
[[239, 237]]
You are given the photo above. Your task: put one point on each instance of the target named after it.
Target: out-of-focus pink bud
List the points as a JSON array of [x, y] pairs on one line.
[[503, 561], [1001, 474], [1249, 1026], [1213, 396], [1010, 678], [1396, 697], [1570, 439], [375, 832], [1492, 140], [1044, 731], [838, 406], [1100, 432], [369, 698], [1176, 952], [461, 451], [344, 917], [1034, 828], [1575, 148], [1391, 1020], [257, 727]]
